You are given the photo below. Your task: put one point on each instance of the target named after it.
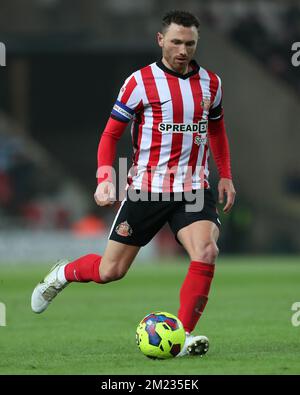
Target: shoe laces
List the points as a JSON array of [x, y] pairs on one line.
[[49, 291]]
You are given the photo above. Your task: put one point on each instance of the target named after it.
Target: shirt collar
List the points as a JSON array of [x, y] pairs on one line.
[[193, 64]]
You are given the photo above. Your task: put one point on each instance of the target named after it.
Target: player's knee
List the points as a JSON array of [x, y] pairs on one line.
[[205, 252]]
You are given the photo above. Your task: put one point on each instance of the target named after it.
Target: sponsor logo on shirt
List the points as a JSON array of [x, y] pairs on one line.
[[200, 127], [200, 139]]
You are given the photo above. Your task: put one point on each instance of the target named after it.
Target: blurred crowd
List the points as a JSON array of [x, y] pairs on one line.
[[17, 171], [35, 193], [266, 29], [33, 190]]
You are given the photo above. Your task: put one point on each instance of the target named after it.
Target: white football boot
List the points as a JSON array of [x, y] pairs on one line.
[[194, 345], [49, 287]]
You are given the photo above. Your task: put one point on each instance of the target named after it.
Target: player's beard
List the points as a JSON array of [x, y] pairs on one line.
[[181, 65], [172, 63]]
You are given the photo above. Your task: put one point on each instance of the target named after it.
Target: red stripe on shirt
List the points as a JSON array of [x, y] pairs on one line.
[[154, 100], [213, 85], [213, 88], [137, 126], [138, 122], [177, 138], [128, 89], [198, 111]]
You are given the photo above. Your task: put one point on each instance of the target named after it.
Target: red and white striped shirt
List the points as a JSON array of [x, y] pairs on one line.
[[170, 114]]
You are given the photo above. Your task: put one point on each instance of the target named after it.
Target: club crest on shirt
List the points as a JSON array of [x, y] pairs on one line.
[[124, 229], [205, 103]]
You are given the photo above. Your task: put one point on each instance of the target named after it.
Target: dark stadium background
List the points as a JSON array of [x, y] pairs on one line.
[[65, 63]]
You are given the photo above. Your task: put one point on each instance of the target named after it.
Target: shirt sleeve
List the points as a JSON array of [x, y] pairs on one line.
[[107, 149], [216, 110], [128, 101], [219, 146]]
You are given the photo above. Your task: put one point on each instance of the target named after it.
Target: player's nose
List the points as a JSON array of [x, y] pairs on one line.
[[182, 50]]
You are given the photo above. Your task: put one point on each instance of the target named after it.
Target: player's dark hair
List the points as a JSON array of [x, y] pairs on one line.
[[182, 18]]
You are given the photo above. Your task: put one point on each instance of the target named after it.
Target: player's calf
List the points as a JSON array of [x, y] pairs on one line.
[[111, 274]]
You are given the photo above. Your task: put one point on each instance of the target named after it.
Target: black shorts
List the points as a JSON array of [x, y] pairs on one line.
[[137, 222]]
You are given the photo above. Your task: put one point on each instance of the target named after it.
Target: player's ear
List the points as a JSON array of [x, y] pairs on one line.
[[160, 39]]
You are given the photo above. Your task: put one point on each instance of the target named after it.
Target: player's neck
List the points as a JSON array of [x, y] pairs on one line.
[[182, 71]]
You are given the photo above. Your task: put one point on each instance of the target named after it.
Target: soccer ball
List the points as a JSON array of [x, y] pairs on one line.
[[160, 335]]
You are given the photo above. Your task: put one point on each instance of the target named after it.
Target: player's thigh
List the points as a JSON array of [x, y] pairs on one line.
[[199, 239], [117, 259]]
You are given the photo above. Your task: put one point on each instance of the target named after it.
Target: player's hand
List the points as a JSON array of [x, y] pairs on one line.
[[105, 194], [226, 187]]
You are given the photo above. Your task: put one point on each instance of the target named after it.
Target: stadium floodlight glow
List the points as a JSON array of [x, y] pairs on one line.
[[2, 54], [296, 56]]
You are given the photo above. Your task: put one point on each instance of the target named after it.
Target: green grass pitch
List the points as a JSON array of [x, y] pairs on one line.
[[90, 328]]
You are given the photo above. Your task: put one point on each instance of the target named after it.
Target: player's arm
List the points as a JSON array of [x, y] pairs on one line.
[[126, 105], [105, 193], [219, 146]]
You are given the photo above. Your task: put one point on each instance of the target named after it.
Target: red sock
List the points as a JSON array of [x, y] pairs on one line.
[[84, 269], [194, 293]]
